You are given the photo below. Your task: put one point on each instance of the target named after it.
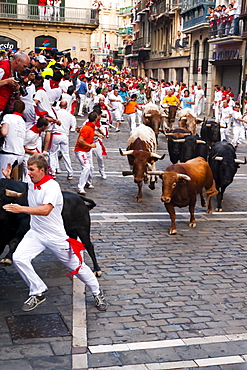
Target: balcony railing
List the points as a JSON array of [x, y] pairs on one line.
[[142, 5], [190, 4], [125, 31], [140, 43], [31, 12], [162, 7], [123, 11], [175, 4], [195, 16]]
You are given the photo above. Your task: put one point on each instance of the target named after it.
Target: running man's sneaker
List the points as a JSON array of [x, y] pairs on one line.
[[100, 302], [81, 191], [33, 301], [69, 177]]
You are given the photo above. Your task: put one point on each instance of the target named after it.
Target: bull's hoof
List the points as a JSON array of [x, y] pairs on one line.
[[98, 274], [192, 224], [209, 211], [145, 181], [138, 199], [151, 186], [218, 210], [204, 204], [6, 262], [173, 231]]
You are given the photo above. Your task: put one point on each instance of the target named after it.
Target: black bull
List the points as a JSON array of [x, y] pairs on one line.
[[14, 226]]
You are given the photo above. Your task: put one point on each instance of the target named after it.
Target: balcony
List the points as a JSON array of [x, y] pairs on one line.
[[194, 14], [175, 4], [30, 12], [157, 9], [126, 11], [125, 31], [141, 43], [190, 4], [142, 6]]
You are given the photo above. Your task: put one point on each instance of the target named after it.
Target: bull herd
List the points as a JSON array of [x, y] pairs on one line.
[[207, 165]]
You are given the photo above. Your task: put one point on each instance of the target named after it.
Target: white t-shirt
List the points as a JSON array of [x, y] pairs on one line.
[[225, 112], [198, 94], [68, 122], [14, 140], [64, 84], [31, 139], [48, 227], [53, 94], [43, 103], [116, 104], [236, 115]]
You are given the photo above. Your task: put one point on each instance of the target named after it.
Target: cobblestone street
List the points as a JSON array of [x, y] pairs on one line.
[[174, 301]]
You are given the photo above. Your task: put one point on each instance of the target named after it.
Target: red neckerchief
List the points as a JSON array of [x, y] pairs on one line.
[[18, 114], [77, 247], [54, 84], [42, 181], [90, 124], [40, 88], [35, 129], [103, 106]]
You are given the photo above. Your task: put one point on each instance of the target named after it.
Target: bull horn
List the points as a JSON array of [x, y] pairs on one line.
[[14, 194], [178, 140], [148, 115], [218, 158], [208, 124], [127, 173], [163, 115], [155, 172], [199, 119], [185, 177], [127, 152], [240, 161], [155, 155], [201, 142], [183, 118]]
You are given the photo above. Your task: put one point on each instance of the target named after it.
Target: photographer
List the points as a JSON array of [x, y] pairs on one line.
[[9, 71]]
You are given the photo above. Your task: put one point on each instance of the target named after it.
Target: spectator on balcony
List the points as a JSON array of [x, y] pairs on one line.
[[56, 5], [49, 10], [229, 30], [237, 10], [212, 21], [42, 9]]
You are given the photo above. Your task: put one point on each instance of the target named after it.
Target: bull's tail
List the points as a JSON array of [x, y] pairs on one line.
[[89, 202], [212, 190]]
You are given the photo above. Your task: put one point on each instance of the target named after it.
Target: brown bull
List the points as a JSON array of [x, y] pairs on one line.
[[141, 148], [180, 185], [188, 121]]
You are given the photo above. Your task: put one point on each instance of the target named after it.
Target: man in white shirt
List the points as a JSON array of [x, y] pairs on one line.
[[225, 120], [238, 126], [45, 202], [60, 139], [116, 102], [217, 102], [13, 130], [199, 97]]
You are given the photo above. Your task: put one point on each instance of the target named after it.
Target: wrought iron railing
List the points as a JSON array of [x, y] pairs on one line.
[[34, 12], [142, 42], [189, 4]]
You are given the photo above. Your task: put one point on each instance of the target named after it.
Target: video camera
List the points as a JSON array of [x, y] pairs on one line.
[[21, 82], [65, 53]]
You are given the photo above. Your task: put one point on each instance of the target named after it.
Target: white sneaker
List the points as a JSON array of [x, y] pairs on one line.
[[81, 191], [90, 186], [103, 177], [58, 170]]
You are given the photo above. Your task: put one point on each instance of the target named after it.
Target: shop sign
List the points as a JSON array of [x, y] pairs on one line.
[[226, 54], [7, 44]]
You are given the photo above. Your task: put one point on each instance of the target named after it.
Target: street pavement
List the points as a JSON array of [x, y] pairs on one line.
[[174, 302]]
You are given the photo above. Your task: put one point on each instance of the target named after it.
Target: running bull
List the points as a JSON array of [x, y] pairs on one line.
[[153, 117], [141, 152], [210, 132], [192, 146], [224, 165], [188, 120], [181, 183], [15, 225]]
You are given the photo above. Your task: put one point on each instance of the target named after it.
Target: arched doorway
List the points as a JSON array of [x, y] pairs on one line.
[[45, 43]]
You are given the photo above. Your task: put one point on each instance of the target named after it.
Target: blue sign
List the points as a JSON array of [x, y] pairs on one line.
[[73, 48]]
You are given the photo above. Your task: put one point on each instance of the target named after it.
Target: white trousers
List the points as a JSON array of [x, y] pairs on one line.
[[224, 133], [9, 158], [57, 13], [99, 156], [32, 245], [60, 142], [82, 102], [139, 115], [41, 12], [86, 161], [198, 107], [131, 119], [238, 135]]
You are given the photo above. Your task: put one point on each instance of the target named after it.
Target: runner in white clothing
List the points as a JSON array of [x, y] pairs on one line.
[[238, 126], [13, 130], [60, 139], [225, 117], [47, 231]]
